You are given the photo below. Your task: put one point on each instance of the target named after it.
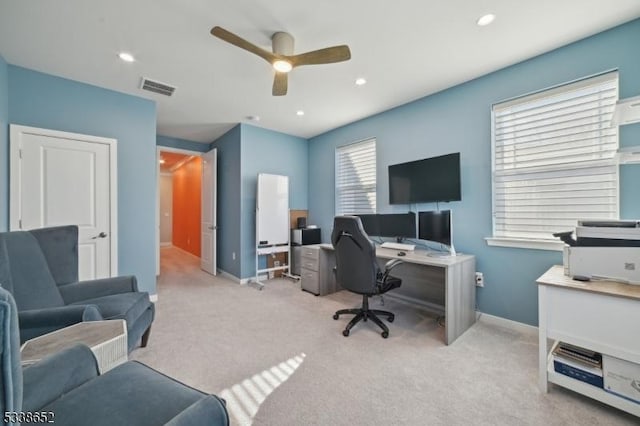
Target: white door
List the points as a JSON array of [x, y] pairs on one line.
[[60, 178], [209, 226]]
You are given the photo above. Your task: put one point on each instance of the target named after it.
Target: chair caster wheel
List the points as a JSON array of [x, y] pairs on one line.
[[385, 334], [335, 316], [391, 318], [345, 333]]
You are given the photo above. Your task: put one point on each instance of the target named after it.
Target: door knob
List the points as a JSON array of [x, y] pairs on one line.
[[100, 235]]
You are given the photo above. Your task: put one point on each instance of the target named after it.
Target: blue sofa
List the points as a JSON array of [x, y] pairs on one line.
[[66, 389], [40, 269]]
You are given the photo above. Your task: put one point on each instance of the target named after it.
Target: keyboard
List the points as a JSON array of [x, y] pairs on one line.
[[399, 246]]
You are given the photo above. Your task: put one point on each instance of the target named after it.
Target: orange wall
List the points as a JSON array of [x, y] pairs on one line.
[[186, 206]]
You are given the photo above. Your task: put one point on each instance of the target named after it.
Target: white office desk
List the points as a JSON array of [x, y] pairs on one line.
[[449, 280]]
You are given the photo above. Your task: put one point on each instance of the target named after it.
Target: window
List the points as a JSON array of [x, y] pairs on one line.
[[356, 178], [554, 160]]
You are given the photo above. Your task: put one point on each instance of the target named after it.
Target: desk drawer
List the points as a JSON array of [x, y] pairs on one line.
[[310, 281], [310, 264], [311, 253]]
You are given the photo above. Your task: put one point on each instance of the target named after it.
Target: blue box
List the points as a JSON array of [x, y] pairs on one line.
[[578, 374]]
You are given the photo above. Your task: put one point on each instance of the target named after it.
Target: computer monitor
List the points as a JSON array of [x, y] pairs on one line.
[[435, 226], [369, 223], [397, 225]]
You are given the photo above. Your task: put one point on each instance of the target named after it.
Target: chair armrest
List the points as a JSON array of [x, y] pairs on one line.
[[392, 264], [83, 290], [59, 317], [52, 377], [388, 267], [209, 410]]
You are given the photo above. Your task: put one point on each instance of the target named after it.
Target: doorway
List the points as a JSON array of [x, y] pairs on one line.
[[179, 186]]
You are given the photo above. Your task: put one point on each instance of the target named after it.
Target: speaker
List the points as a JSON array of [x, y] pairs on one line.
[[302, 222]]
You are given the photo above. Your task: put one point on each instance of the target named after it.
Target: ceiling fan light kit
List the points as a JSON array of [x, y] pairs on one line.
[[282, 58]]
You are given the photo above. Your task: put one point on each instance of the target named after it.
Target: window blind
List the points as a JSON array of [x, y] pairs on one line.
[[356, 178], [554, 159]]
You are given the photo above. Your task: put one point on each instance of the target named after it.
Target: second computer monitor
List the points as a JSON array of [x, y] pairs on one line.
[[397, 225], [394, 225], [435, 226]]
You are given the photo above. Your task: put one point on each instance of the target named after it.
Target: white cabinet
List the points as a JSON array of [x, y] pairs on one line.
[[602, 316]]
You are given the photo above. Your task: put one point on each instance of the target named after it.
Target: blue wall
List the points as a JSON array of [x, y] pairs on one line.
[[228, 241], [266, 151], [42, 100], [4, 144], [458, 120], [243, 152], [170, 142]]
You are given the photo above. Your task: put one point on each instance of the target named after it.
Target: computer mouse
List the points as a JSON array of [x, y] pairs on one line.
[[401, 253]]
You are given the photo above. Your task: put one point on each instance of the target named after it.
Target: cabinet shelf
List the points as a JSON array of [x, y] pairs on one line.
[[591, 391]]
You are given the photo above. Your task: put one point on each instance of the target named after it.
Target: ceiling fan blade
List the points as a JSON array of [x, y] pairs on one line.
[[280, 83], [328, 55], [229, 37]]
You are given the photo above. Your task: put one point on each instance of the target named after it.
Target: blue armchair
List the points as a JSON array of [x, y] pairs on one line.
[[40, 268], [66, 389]]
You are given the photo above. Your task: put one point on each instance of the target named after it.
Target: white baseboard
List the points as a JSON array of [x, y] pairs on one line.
[[166, 244], [153, 297], [186, 252], [232, 277], [506, 323]]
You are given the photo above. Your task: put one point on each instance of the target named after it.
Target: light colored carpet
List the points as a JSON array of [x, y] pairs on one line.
[[280, 359]]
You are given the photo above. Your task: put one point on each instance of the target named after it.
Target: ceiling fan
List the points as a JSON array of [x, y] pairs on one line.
[[282, 58]]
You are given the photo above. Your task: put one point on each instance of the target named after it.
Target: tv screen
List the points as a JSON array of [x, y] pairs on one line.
[[427, 180], [435, 226]]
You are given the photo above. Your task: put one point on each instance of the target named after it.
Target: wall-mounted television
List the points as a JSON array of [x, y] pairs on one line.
[[427, 180]]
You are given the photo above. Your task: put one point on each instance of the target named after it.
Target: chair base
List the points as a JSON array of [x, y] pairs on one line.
[[363, 314]]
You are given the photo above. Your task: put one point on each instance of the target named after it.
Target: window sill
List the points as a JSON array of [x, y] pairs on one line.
[[526, 244]]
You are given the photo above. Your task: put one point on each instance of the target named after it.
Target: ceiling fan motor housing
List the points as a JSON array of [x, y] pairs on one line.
[[282, 43]]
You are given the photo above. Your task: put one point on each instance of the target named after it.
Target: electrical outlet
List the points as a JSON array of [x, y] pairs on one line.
[[479, 279], [233, 256]]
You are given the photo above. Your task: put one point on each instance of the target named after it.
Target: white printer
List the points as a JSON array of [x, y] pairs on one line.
[[603, 250]]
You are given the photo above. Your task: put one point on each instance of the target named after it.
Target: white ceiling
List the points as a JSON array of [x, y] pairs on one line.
[[405, 49]]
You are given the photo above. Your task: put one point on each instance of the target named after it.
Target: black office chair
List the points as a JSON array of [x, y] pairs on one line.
[[357, 271]]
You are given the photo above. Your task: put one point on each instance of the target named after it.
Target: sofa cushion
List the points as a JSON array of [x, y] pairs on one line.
[[31, 282], [130, 394], [126, 306], [59, 244]]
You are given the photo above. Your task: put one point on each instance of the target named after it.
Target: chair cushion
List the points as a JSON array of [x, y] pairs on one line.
[[32, 284], [127, 306], [389, 284], [130, 394]]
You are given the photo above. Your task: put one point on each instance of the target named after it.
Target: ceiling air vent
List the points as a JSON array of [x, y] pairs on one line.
[[157, 87]]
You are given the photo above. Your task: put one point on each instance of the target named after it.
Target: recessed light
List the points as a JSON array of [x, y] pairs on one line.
[[361, 81], [486, 19], [300, 113], [127, 57], [253, 117]]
